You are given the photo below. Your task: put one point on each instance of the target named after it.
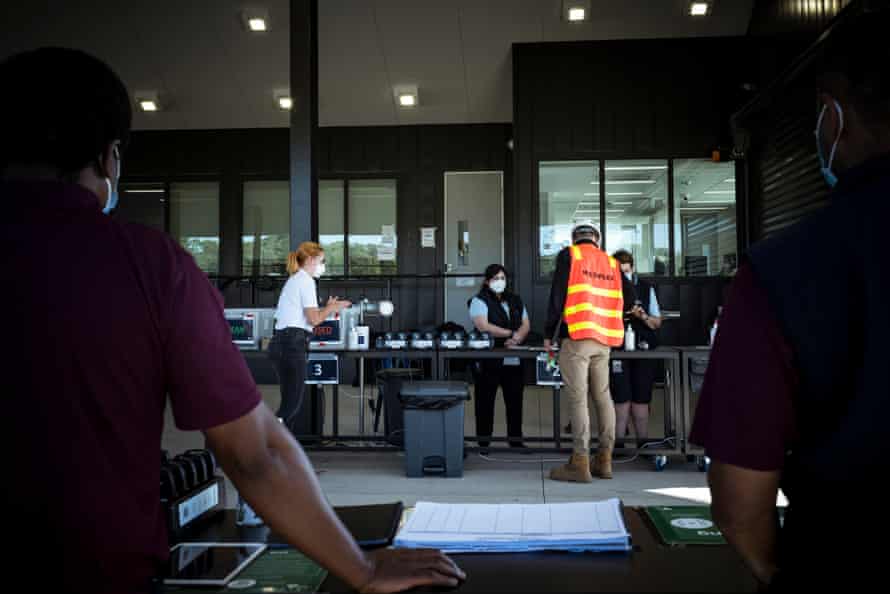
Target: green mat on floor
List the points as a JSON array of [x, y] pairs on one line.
[[276, 570]]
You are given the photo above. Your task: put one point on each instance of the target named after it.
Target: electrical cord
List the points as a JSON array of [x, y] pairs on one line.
[[669, 440]]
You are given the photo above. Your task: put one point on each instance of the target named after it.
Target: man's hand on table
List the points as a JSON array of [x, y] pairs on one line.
[[395, 570]]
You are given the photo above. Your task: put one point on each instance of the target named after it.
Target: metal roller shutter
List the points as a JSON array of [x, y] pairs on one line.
[[790, 183]]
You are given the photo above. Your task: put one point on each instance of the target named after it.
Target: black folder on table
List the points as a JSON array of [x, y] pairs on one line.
[[372, 526]]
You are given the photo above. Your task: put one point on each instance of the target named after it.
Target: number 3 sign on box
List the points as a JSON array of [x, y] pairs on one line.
[[322, 368]]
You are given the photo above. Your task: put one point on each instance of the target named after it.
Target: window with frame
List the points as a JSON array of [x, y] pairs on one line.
[[357, 226], [265, 233], [637, 212], [194, 221], [143, 203], [705, 218], [633, 199], [568, 191]]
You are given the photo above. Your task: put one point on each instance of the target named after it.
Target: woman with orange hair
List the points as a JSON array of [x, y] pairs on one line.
[[297, 314]]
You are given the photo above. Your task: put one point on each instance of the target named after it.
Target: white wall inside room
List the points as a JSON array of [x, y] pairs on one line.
[[214, 74]]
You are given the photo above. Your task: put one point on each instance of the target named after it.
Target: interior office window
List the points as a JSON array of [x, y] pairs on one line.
[[372, 226], [145, 204], [265, 236], [194, 221], [568, 191], [637, 212], [705, 217], [331, 224]]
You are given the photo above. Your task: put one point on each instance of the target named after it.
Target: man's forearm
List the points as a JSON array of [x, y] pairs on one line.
[[285, 493], [754, 540], [743, 505]]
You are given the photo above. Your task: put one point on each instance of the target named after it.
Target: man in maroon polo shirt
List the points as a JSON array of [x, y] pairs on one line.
[[103, 321]]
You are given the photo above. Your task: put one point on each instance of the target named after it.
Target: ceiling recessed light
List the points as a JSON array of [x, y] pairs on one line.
[[631, 181], [147, 101], [577, 14], [731, 180], [621, 203], [624, 193], [255, 20], [720, 192], [591, 194], [285, 103], [699, 8], [406, 96]]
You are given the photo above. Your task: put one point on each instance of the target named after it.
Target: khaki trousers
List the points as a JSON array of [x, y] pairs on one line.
[[584, 365]]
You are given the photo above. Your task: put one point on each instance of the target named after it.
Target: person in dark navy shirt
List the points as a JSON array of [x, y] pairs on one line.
[[796, 392]]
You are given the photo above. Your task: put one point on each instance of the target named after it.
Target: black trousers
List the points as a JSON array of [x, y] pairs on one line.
[[288, 351], [491, 374], [631, 380]]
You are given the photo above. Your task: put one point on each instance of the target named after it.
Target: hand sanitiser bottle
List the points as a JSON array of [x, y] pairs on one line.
[[716, 325], [630, 339]]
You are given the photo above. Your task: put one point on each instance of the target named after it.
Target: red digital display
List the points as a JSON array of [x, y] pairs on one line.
[[328, 330]]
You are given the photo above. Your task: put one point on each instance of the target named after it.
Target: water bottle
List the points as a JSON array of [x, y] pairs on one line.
[[630, 339], [713, 332], [246, 516], [352, 342]]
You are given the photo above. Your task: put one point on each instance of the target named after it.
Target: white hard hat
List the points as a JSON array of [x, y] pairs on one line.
[[584, 226]]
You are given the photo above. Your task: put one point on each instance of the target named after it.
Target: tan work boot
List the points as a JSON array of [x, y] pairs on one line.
[[601, 465], [577, 470]]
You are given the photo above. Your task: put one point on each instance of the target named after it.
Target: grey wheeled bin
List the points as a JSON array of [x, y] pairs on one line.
[[434, 427]]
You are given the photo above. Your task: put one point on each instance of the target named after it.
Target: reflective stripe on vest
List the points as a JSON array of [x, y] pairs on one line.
[[594, 326], [606, 313], [594, 302], [585, 288]]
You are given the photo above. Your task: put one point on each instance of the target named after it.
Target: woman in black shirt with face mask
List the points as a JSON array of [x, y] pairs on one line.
[[502, 314]]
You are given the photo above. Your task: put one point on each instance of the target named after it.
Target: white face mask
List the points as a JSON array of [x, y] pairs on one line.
[[498, 286], [319, 271]]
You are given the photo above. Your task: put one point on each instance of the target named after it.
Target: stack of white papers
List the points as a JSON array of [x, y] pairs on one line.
[[516, 528]]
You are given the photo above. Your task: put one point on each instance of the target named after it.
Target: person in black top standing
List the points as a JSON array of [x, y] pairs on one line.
[[631, 380], [502, 314]]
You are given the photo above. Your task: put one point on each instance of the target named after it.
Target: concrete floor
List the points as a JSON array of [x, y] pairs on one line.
[[353, 478]]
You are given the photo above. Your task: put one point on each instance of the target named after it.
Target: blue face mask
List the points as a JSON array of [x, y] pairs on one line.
[[827, 173], [111, 204]]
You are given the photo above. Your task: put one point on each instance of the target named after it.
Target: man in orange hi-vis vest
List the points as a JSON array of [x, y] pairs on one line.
[[586, 314]]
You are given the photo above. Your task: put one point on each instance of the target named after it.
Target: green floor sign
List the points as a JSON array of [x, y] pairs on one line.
[[685, 525]]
